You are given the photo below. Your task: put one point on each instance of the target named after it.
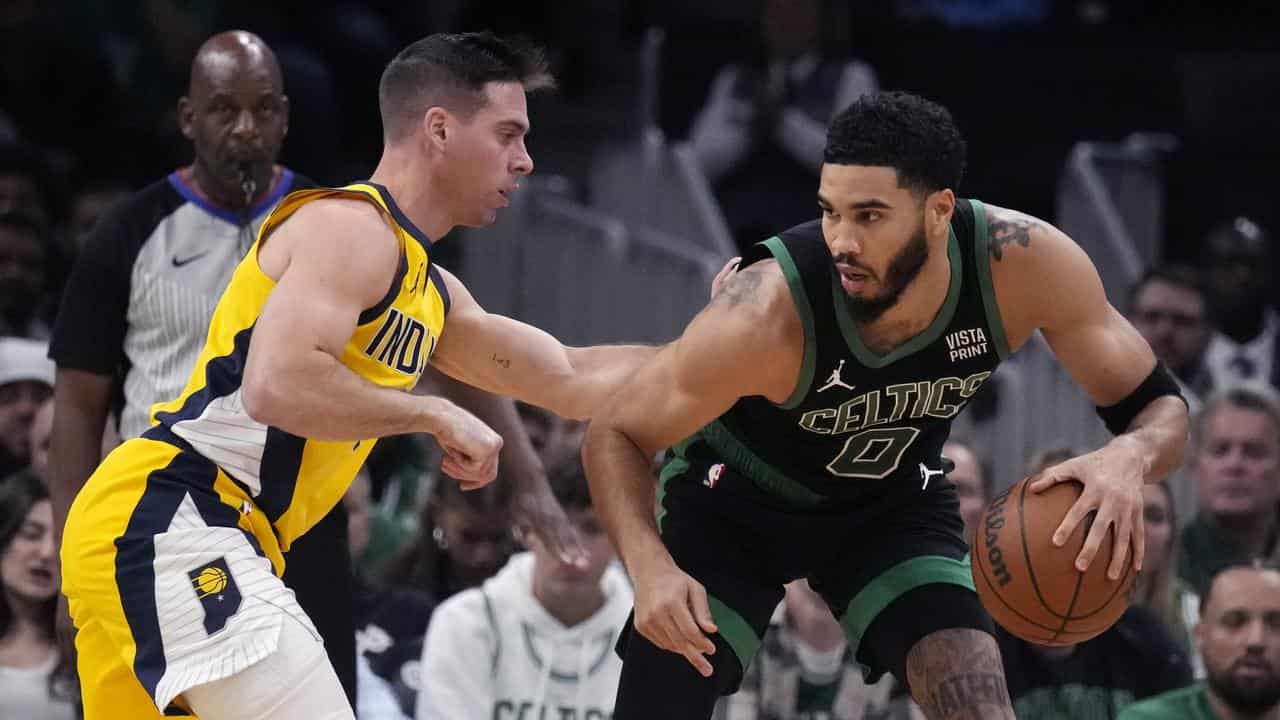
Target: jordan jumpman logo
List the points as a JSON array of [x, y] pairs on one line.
[[835, 381]]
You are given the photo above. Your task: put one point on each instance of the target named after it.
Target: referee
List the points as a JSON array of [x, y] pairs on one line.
[[139, 300]]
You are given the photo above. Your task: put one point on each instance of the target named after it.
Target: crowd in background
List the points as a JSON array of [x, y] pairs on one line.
[[89, 117]]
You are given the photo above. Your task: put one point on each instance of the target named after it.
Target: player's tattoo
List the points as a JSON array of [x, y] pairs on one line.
[[1005, 231], [956, 674], [740, 288], [504, 362]]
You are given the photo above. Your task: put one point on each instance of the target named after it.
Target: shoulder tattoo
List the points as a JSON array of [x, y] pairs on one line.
[[1006, 230]]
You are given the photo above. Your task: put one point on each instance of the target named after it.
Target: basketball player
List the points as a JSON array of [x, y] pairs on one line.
[[172, 551], [910, 297]]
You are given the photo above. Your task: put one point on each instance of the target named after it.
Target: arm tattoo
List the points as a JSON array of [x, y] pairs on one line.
[[741, 288], [957, 675], [1005, 231], [505, 363]]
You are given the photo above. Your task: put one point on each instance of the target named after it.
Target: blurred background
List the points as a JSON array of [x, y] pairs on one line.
[[681, 132]]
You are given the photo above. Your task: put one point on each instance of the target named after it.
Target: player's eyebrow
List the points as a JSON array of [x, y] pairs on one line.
[[515, 125], [873, 204]]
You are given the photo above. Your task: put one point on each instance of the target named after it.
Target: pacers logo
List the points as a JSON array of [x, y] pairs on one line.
[[217, 592]]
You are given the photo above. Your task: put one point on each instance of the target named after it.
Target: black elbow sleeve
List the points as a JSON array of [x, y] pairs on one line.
[[1160, 382]]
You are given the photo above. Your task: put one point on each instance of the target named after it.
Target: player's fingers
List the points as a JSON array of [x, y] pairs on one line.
[[690, 637], [699, 662], [702, 610], [1093, 540], [1045, 481], [1120, 547], [1082, 507]]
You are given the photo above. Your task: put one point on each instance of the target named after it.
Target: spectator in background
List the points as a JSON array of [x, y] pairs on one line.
[[1158, 587], [805, 671], [36, 682], [967, 475], [1236, 462], [28, 184], [390, 621], [88, 204], [24, 265], [41, 429], [463, 539], [536, 640], [1239, 641], [1237, 258], [1131, 660], [26, 381], [761, 132], [1168, 307]]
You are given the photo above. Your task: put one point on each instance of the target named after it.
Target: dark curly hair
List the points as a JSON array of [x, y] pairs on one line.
[[906, 132]]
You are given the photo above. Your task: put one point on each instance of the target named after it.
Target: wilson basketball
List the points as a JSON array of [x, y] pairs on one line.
[[1032, 588]]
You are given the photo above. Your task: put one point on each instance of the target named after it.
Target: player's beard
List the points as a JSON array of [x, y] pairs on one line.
[[1249, 699], [902, 270]]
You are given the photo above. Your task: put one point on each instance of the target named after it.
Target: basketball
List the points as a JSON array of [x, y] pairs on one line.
[[1031, 588]]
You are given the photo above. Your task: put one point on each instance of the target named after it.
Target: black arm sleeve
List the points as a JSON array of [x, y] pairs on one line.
[[1158, 383], [89, 331]]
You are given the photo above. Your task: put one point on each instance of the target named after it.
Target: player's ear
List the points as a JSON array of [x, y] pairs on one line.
[[939, 205], [435, 126]]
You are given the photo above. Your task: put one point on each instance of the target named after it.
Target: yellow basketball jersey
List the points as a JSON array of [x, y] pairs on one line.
[[293, 480]]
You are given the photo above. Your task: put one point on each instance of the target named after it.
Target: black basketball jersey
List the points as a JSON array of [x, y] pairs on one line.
[[859, 423]]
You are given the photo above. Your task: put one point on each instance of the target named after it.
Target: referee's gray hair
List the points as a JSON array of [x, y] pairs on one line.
[[1246, 396]]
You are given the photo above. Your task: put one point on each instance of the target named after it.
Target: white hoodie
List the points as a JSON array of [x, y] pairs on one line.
[[494, 653]]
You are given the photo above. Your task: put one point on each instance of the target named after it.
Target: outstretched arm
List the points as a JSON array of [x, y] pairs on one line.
[[1035, 268], [533, 505], [331, 260], [508, 357], [687, 384]]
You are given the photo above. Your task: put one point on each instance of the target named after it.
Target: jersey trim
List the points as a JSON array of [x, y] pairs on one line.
[[438, 280], [370, 314], [283, 187], [801, 299], [923, 339], [764, 475], [982, 257], [735, 630], [895, 582], [401, 219]]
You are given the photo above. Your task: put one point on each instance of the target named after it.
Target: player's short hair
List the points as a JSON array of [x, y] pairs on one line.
[[450, 71], [1246, 396], [1175, 274], [569, 484], [906, 132]]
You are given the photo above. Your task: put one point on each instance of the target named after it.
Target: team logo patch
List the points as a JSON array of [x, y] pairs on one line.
[[217, 592], [713, 475]]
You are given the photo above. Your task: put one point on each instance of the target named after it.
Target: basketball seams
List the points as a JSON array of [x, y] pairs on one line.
[[1026, 552], [1065, 628]]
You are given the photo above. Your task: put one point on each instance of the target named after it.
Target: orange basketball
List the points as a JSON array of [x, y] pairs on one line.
[[1031, 587]]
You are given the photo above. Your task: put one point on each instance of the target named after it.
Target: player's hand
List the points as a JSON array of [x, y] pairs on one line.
[[539, 520], [1112, 477], [723, 276], [673, 613], [470, 447]]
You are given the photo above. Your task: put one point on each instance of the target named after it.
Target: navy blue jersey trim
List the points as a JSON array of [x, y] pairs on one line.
[[438, 280]]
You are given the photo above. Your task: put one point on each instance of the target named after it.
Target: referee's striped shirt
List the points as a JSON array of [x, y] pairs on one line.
[[140, 297]]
